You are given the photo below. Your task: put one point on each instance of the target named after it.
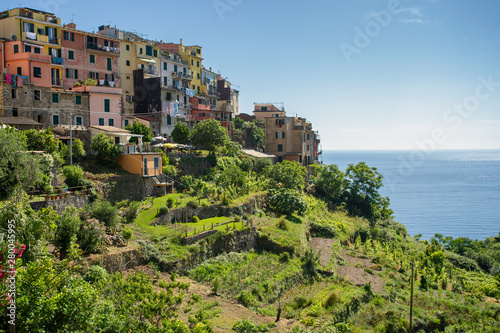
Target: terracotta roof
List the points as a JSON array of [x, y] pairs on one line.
[[109, 129], [19, 121], [147, 118]]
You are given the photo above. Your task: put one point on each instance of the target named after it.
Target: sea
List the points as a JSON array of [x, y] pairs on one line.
[[454, 193]]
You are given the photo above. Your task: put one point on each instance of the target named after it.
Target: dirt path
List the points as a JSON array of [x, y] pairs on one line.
[[324, 247], [358, 275]]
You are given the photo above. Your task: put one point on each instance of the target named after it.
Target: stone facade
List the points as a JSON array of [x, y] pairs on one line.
[[60, 205], [39, 104]]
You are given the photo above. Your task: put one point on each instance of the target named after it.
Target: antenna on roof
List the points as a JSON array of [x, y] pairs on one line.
[[72, 17]]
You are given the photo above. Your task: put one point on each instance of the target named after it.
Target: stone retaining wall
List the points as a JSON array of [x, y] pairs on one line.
[[60, 205]]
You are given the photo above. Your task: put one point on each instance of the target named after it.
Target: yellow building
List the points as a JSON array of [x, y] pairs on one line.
[[41, 29], [193, 56]]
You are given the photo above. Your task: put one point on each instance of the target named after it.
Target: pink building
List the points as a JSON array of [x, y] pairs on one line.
[[104, 105], [88, 55]]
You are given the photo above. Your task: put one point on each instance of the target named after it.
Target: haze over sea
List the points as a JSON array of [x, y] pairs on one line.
[[454, 193]]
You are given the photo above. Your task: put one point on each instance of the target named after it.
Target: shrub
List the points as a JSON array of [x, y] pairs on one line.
[[170, 202], [131, 212], [332, 299], [463, 262], [216, 285], [95, 274], [286, 201], [105, 212], [67, 229], [73, 175], [321, 230], [127, 233], [123, 203], [91, 236], [192, 204], [284, 257], [162, 211], [282, 224], [196, 219]]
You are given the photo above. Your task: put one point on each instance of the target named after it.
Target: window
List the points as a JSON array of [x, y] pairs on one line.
[[15, 113], [55, 119], [140, 50], [198, 51], [198, 76], [40, 31], [78, 120], [69, 73], [197, 64], [101, 121], [36, 95], [28, 27], [69, 36], [19, 71], [280, 159], [117, 140], [280, 147], [78, 100], [229, 128], [94, 75], [71, 55], [300, 159], [108, 64], [165, 80], [127, 47], [127, 63], [66, 35], [16, 48], [37, 72], [175, 68], [111, 122], [165, 66], [76, 73], [149, 50], [155, 53], [125, 122], [169, 120], [92, 59], [280, 135], [37, 50], [156, 161], [106, 43], [192, 62], [106, 105], [55, 98], [27, 48]]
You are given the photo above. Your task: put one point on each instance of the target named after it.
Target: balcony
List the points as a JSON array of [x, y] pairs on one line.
[[98, 47], [151, 71], [182, 75], [213, 93], [55, 41], [174, 87], [57, 82], [57, 60]]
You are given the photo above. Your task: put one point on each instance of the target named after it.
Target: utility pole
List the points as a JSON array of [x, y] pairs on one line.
[[70, 137], [411, 295]]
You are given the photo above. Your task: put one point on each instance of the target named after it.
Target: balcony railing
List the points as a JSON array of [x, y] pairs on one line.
[[213, 93], [182, 75], [57, 82], [54, 41], [98, 47], [57, 60], [151, 71]]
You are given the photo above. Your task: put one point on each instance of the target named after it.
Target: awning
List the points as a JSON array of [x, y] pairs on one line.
[[151, 61], [34, 45]]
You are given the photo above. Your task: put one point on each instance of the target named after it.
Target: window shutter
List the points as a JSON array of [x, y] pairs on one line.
[[76, 73], [276, 134]]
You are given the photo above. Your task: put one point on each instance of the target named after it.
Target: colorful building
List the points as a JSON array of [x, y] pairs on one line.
[[104, 105], [88, 55], [267, 110], [290, 138], [40, 32]]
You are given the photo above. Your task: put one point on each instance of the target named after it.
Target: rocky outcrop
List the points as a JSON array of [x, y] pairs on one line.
[[116, 262]]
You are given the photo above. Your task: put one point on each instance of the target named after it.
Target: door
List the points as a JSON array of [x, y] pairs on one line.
[[145, 166]]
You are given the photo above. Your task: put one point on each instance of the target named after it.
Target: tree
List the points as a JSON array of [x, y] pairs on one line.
[[286, 201], [209, 133], [105, 148], [43, 140], [287, 174], [361, 194], [73, 175], [180, 134], [141, 129], [18, 169], [330, 182]]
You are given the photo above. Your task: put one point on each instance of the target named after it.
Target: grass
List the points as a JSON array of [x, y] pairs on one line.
[[294, 236]]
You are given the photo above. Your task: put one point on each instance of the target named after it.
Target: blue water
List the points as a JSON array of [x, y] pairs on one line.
[[454, 193]]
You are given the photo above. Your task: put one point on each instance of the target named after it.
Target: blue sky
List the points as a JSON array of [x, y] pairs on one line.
[[369, 74]]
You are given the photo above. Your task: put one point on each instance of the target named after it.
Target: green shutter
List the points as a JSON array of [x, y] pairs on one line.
[[109, 63], [76, 73], [106, 105]]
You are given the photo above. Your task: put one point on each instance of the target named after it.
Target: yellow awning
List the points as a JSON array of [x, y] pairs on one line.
[[151, 61]]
